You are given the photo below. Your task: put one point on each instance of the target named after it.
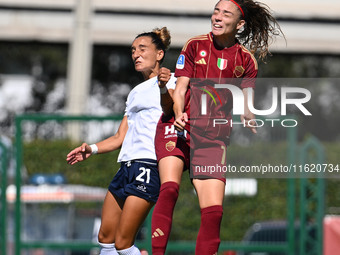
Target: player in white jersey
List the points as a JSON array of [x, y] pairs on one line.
[[135, 188]]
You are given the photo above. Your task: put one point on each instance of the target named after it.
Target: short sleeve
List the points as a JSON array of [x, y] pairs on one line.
[[185, 62], [250, 73]]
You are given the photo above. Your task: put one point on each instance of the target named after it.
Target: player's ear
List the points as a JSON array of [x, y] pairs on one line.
[[240, 24], [160, 55]]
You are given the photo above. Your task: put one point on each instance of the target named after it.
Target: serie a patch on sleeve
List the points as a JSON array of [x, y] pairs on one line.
[[180, 62]]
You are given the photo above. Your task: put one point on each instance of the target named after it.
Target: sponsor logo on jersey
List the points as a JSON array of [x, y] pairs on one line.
[[239, 70], [203, 53], [158, 232], [222, 63], [180, 62], [170, 146], [201, 61], [170, 131]]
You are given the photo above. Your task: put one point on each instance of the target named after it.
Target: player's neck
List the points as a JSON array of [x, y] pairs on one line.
[[224, 42], [150, 73]]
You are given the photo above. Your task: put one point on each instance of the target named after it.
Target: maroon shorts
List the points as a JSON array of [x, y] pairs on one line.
[[208, 158], [204, 157], [168, 142]]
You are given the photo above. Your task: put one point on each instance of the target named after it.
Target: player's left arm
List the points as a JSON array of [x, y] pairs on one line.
[[248, 117], [248, 86]]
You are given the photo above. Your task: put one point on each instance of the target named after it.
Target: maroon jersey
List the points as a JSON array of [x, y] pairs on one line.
[[201, 58]]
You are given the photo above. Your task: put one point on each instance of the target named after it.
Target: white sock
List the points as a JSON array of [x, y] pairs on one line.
[[107, 249], [133, 250]]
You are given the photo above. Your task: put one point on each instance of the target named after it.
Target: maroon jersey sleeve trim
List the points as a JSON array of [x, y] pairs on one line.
[[244, 49]]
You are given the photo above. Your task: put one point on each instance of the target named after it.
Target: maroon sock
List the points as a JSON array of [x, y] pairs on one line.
[[162, 217], [208, 239]]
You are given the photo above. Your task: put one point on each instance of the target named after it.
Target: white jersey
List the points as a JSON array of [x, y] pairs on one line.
[[143, 110]]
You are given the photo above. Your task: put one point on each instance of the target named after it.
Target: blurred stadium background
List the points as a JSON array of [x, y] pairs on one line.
[[65, 72]]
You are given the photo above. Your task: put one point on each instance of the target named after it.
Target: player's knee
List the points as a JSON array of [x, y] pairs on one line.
[[123, 242], [170, 190], [105, 236]]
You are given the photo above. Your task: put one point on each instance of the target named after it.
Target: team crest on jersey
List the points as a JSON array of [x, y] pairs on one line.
[[180, 62], [239, 70], [170, 146], [222, 63], [203, 53]]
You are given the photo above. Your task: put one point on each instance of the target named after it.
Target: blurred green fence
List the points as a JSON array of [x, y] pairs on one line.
[[60, 218], [3, 205]]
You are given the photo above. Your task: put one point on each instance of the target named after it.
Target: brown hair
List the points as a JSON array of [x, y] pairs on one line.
[[160, 38], [260, 27]]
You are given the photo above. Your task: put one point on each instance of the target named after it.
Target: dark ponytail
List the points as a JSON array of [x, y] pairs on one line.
[[260, 27]]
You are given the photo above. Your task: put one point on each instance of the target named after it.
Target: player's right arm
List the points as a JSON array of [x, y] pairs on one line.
[[179, 100], [110, 144], [184, 70]]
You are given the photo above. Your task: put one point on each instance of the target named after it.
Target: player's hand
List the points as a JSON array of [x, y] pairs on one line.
[[180, 121], [249, 122], [164, 76], [79, 154]]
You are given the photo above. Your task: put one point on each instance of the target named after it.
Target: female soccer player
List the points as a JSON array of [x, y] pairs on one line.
[[135, 188], [217, 56]]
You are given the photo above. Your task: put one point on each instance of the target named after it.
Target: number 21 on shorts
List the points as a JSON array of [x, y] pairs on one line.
[[141, 177]]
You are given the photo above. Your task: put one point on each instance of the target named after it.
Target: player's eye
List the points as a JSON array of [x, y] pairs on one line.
[[226, 14]]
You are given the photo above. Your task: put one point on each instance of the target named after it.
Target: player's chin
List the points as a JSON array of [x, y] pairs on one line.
[[217, 31], [139, 67]]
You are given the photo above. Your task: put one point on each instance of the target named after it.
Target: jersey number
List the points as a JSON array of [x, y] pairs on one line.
[[140, 177], [224, 155]]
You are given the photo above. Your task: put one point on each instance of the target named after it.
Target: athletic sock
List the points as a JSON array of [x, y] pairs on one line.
[[208, 239], [107, 249], [133, 250], [162, 217]]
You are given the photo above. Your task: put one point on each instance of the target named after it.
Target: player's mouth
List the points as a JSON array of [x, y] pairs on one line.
[[138, 62], [217, 26]]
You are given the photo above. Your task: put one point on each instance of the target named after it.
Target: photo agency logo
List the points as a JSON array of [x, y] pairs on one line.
[[281, 99]]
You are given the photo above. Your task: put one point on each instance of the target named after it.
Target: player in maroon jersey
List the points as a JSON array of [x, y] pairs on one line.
[[217, 55]]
